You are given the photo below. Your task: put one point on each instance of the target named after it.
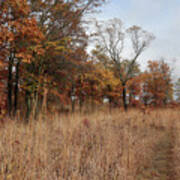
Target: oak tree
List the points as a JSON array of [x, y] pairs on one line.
[[111, 39]]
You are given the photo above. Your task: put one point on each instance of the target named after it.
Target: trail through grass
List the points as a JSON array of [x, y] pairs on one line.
[[99, 146], [160, 165]]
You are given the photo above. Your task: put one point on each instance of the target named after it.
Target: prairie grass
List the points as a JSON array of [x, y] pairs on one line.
[[98, 146]]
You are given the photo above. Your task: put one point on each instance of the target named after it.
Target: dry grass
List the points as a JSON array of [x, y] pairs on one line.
[[102, 146]]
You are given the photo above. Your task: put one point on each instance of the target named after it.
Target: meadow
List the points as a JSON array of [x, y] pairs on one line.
[[97, 146], [91, 89]]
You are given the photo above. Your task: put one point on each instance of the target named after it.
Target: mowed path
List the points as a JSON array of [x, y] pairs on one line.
[[160, 165]]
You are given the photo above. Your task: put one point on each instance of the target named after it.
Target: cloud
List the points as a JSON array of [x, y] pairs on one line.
[[161, 17]]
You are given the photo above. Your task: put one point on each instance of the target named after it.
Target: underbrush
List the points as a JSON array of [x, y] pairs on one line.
[[102, 146]]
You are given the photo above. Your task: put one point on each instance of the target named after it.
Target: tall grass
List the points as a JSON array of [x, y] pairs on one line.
[[98, 146]]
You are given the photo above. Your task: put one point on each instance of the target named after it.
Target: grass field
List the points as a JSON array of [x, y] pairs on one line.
[[102, 146]]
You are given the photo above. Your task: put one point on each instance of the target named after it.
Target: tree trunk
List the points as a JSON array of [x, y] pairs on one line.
[[72, 96], [81, 102], [124, 98], [45, 95], [28, 105], [92, 96], [73, 105], [36, 105], [130, 99], [110, 104], [16, 90], [44, 103], [110, 97], [10, 83]]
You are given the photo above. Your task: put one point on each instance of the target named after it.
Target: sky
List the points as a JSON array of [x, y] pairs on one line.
[[160, 17]]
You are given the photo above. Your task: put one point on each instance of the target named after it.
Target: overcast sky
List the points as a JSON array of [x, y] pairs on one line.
[[160, 17]]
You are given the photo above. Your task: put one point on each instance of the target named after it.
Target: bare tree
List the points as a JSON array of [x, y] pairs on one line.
[[113, 40]]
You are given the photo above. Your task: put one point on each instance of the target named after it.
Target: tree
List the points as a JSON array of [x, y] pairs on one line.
[[177, 90], [19, 34], [65, 43], [134, 90], [110, 38], [157, 86], [42, 50]]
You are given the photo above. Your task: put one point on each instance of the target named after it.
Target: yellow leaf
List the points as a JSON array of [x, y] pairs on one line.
[[9, 176]]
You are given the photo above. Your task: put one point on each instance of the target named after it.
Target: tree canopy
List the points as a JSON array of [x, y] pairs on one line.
[[45, 64]]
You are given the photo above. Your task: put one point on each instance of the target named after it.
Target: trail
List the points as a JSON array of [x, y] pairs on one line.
[[161, 165]]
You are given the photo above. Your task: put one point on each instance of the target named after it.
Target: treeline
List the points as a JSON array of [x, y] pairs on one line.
[[44, 64]]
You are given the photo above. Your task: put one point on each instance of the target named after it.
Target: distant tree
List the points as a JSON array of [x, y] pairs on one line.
[[19, 34], [65, 46], [42, 49], [134, 90], [111, 39], [177, 90], [157, 86]]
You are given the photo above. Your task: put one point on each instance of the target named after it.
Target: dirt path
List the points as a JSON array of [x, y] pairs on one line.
[[161, 164]]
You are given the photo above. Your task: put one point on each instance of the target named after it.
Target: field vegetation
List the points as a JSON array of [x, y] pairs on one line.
[[129, 145], [75, 103]]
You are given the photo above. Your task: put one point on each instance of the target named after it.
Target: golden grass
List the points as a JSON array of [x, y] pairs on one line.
[[99, 146]]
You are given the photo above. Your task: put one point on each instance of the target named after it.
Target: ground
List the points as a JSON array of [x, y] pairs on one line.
[[117, 146]]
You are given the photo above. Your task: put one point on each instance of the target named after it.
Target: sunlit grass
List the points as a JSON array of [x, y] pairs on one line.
[[118, 146]]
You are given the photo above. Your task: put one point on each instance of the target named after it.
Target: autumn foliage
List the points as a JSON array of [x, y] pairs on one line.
[[45, 66]]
